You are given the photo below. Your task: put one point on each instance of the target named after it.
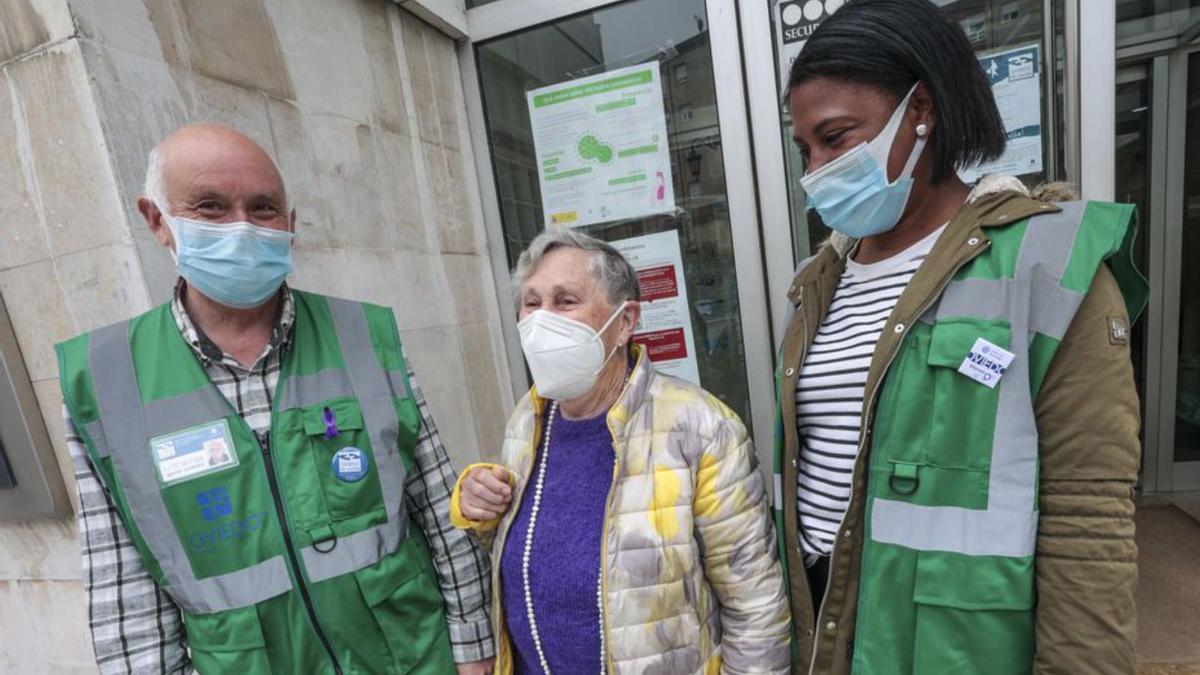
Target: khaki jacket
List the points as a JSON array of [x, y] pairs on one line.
[[1088, 420]]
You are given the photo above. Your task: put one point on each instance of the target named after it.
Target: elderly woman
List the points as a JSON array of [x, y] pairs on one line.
[[631, 526], [958, 433]]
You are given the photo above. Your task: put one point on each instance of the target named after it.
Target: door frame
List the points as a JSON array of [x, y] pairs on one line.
[[1167, 68], [508, 16]]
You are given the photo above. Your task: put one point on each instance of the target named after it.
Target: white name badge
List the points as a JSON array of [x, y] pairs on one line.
[[193, 452], [986, 363]]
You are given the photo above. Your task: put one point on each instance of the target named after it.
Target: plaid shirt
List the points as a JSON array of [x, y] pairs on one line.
[[137, 628]]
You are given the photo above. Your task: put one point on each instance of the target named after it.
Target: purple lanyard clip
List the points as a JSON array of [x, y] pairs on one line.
[[331, 428]]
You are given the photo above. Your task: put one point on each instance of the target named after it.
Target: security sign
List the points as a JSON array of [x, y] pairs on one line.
[[795, 22]]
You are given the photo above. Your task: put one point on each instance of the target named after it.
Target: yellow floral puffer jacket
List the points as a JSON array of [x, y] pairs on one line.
[[692, 580]]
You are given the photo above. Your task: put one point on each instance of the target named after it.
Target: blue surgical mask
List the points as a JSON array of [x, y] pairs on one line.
[[852, 193], [238, 265]]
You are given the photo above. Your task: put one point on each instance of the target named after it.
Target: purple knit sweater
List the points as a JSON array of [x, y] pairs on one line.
[[564, 565]]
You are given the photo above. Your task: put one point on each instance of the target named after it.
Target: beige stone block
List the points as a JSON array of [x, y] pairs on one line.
[[22, 239], [102, 285], [323, 46], [449, 205], [431, 352], [38, 309], [486, 390], [465, 278], [456, 429], [349, 177], [388, 109], [321, 270], [298, 163], [151, 28], [232, 105], [423, 87], [49, 398], [236, 42], [401, 192], [44, 549], [44, 624], [443, 60], [28, 24], [416, 285], [460, 233], [53, 110]]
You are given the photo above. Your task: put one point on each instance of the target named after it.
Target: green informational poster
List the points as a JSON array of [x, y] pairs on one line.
[[602, 149]]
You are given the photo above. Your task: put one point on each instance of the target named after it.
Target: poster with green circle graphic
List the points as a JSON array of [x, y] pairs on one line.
[[601, 147]]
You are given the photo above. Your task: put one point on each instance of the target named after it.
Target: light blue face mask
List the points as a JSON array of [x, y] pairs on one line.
[[238, 265], [852, 193]]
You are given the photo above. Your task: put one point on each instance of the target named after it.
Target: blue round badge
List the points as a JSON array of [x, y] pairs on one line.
[[350, 464]]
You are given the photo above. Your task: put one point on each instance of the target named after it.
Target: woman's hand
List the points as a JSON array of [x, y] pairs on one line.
[[485, 494]]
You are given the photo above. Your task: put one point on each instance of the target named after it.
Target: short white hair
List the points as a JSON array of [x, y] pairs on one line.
[[155, 187], [616, 276]]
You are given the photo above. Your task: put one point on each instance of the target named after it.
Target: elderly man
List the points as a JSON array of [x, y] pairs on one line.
[[259, 477]]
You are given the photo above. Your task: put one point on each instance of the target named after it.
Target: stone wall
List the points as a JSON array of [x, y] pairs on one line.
[[361, 105]]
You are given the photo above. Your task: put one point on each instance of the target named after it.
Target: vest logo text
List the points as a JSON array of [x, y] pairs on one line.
[[215, 504]]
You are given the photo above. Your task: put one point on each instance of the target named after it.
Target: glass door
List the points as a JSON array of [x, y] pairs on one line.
[[1158, 168], [627, 122], [1186, 456]]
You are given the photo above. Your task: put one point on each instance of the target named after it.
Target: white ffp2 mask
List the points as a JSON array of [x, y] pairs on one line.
[[565, 356]]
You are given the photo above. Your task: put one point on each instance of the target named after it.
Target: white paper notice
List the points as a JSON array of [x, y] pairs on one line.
[[601, 144], [665, 330], [1016, 79]]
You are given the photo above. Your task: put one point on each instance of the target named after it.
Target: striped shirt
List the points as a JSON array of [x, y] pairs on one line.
[[830, 389], [137, 628]]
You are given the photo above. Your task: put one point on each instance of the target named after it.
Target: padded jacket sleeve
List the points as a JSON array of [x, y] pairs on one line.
[[1088, 418]]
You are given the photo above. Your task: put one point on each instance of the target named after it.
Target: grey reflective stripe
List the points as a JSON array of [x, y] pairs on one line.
[[959, 530], [124, 421], [95, 431], [1051, 307], [374, 391], [186, 410], [1008, 527], [298, 391]]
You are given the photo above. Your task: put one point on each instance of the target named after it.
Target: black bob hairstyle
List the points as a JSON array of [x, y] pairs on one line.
[[893, 44]]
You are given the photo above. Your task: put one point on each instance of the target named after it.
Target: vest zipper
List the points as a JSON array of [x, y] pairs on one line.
[[293, 558], [868, 410]]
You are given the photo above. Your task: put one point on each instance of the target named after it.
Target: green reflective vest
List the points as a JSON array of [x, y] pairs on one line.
[[294, 555], [946, 582]]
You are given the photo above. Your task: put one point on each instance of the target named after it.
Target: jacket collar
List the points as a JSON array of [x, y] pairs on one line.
[[632, 396]]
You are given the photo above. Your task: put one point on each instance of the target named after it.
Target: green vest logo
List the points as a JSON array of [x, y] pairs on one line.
[[216, 505]]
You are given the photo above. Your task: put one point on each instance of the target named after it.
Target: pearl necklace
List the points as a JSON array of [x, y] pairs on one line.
[[533, 514]]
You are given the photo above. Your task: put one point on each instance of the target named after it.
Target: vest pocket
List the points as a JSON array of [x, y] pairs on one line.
[[227, 642], [963, 422], [974, 614], [404, 599], [350, 486]]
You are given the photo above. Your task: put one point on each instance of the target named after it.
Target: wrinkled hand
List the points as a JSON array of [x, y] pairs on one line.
[[485, 494], [476, 668]]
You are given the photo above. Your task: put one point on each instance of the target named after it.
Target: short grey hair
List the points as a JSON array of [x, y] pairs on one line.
[[616, 276]]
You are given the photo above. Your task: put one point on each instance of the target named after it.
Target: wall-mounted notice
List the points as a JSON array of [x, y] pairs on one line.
[[1016, 79], [601, 146], [665, 330]]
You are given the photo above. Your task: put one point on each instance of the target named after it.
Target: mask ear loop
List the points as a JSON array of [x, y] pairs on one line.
[[604, 328], [877, 147]]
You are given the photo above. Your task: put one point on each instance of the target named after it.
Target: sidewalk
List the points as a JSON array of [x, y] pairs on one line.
[[1168, 595]]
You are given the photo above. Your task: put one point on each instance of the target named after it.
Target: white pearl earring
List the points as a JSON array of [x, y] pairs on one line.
[[922, 130]]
